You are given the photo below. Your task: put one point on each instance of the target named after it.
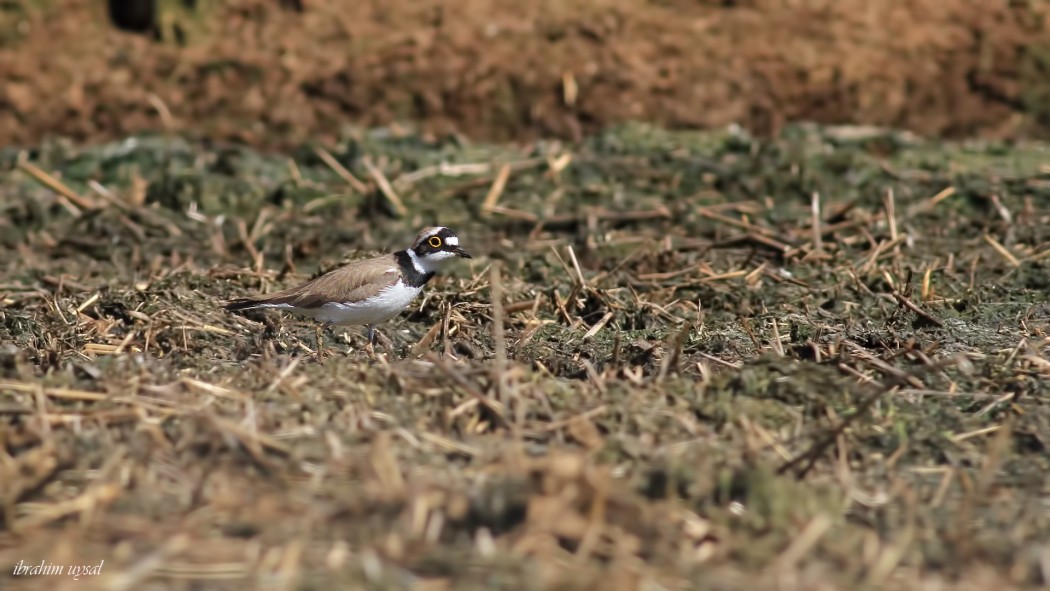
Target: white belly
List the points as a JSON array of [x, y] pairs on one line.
[[380, 308]]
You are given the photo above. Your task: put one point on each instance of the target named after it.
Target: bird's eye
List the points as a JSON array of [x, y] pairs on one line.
[[435, 241]]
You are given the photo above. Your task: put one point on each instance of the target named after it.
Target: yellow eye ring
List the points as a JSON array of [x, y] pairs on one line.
[[435, 241]]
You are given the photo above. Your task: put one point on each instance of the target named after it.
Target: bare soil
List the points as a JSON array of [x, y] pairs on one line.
[[262, 72]]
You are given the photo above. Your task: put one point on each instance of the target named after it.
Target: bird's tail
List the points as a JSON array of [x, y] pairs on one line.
[[240, 304]]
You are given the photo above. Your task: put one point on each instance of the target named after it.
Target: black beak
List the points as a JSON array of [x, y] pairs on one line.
[[460, 252]]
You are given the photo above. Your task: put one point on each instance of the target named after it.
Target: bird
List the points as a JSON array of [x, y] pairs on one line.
[[365, 292]]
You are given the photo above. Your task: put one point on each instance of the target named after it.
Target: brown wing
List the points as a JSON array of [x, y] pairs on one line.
[[349, 283]]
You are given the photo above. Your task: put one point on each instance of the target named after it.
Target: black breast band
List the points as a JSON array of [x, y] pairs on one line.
[[413, 276]]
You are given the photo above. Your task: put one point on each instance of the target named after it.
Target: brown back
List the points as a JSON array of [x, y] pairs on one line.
[[347, 284]]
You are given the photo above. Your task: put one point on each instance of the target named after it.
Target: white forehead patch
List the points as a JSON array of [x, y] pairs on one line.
[[452, 241]]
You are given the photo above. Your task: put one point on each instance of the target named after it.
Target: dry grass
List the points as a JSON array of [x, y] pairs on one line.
[[677, 361]]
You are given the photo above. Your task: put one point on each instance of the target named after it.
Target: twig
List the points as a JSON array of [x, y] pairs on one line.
[[890, 203], [919, 311], [341, 170], [576, 266], [494, 406], [1010, 258], [498, 337], [816, 451], [929, 204], [496, 191], [561, 221], [599, 325], [670, 362], [385, 188], [818, 236], [896, 379], [56, 185]]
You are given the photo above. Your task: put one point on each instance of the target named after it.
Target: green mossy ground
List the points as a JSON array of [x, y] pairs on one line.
[[720, 403]]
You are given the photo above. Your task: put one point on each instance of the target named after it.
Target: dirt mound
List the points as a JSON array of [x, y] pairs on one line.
[[268, 73]]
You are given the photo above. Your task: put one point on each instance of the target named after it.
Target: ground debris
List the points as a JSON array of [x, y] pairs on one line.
[[714, 361]]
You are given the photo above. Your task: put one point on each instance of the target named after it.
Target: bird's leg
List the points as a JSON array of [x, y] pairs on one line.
[[370, 348]]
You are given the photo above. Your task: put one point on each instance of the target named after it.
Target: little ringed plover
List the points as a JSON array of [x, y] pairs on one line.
[[365, 292]]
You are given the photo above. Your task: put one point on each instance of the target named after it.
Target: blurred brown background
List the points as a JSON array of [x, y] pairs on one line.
[[275, 72]]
